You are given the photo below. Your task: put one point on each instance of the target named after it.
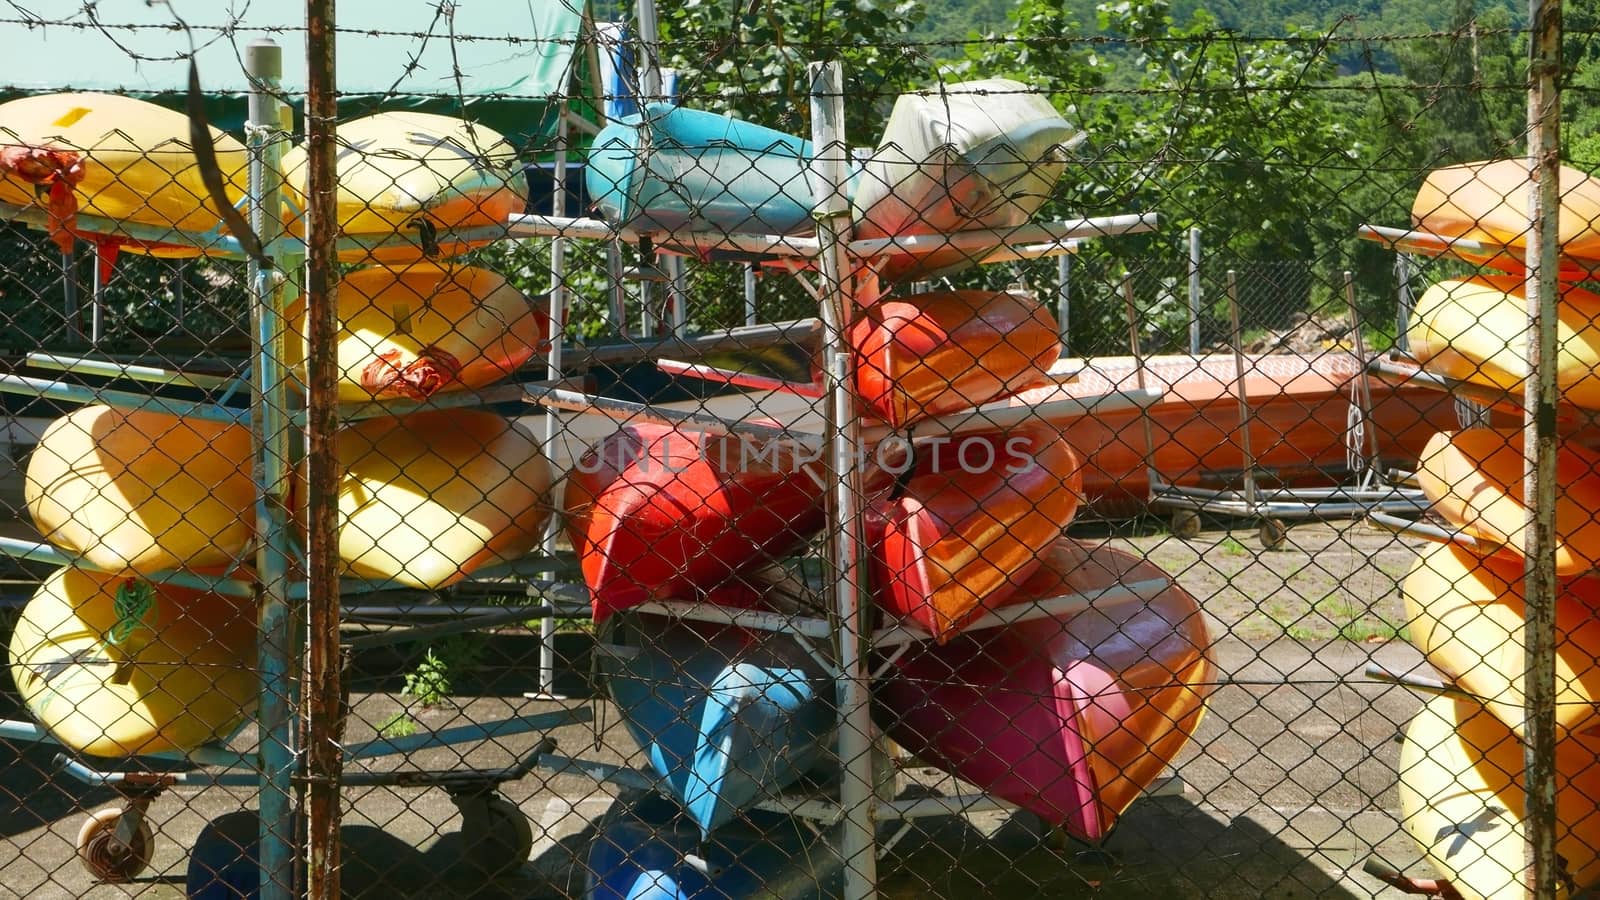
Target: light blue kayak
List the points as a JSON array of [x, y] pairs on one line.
[[727, 716], [651, 852], [672, 169]]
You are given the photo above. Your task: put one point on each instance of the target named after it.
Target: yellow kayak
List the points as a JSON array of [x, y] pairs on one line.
[[1476, 329], [1474, 479], [415, 331], [1466, 615], [143, 491], [113, 666], [1488, 201], [1461, 798], [425, 499], [139, 165], [400, 172]]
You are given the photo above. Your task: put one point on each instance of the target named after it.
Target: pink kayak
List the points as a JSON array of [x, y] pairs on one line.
[[1070, 717]]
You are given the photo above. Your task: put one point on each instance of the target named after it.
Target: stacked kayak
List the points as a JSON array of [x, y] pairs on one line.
[[958, 157], [1488, 202], [115, 666], [1461, 786], [1069, 714], [117, 158], [113, 659], [725, 715], [433, 178]]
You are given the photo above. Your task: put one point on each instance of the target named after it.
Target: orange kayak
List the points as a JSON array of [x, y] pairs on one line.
[[930, 354], [969, 523]]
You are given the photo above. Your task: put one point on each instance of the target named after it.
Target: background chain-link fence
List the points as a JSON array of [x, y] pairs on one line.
[[952, 450]]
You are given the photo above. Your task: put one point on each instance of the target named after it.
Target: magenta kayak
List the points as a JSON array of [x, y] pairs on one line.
[[1070, 717]]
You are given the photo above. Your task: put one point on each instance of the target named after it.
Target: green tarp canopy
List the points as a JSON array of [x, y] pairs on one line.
[[509, 65]]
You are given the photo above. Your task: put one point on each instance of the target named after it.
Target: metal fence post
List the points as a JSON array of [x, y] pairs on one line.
[[323, 675], [1194, 291], [270, 418], [1539, 440], [857, 794]]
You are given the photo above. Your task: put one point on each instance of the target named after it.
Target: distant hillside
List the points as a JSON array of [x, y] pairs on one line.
[[954, 20]]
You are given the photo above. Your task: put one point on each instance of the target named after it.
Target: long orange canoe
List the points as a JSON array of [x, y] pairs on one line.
[[1300, 407]]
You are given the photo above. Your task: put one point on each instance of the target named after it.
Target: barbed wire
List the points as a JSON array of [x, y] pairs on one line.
[[1329, 36]]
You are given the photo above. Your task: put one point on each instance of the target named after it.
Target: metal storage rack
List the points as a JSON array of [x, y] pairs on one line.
[[844, 270], [116, 844], [1374, 491]]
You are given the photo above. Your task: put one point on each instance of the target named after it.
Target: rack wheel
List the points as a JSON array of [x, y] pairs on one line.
[[104, 854], [1186, 524], [497, 832], [1273, 533]]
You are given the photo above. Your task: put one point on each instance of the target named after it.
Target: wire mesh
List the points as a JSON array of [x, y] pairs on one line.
[[753, 485]]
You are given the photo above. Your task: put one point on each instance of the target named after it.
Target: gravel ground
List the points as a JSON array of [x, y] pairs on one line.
[[1287, 788]]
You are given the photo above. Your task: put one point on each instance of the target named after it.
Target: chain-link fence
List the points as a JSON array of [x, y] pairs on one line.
[[796, 451]]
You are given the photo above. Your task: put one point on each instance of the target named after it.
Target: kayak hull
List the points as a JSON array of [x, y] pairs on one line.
[[1072, 716], [656, 513], [114, 667], [969, 525], [643, 853], [930, 354], [727, 716]]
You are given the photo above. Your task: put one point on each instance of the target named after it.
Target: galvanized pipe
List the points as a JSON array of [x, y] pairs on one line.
[[1064, 301], [270, 423], [324, 696], [554, 422], [857, 794], [1539, 442]]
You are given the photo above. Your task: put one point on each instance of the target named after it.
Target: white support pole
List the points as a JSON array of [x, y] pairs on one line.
[[554, 420], [1194, 291], [650, 53], [857, 795], [1402, 316], [750, 293], [1064, 301]]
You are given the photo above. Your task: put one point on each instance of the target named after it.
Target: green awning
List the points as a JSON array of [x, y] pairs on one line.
[[506, 64]]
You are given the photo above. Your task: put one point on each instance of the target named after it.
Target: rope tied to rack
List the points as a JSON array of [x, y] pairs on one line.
[[53, 174]]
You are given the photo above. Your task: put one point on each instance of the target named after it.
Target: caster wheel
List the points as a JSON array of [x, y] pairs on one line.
[[512, 827], [497, 835], [1273, 534], [105, 856], [1186, 524]]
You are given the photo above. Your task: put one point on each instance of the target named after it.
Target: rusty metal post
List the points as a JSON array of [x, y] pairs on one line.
[[270, 425], [323, 696], [1539, 437], [857, 790]]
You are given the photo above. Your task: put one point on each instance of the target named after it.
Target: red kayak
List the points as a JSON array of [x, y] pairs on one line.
[[930, 354], [1071, 717], [969, 523], [656, 513]]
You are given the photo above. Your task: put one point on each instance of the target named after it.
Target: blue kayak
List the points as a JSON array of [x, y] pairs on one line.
[[650, 851], [673, 169], [726, 715]]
